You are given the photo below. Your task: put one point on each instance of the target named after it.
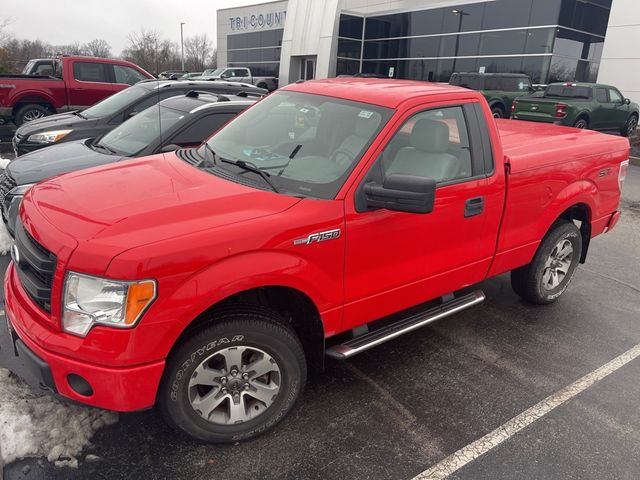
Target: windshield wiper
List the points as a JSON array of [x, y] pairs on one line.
[[104, 147], [250, 167], [78, 114]]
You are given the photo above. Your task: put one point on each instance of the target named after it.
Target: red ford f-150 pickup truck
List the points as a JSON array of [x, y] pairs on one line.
[[73, 83], [206, 280]]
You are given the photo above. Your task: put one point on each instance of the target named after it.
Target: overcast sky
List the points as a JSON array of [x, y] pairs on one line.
[[69, 21]]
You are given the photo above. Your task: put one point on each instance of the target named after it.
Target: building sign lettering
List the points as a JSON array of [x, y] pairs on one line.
[[258, 21]]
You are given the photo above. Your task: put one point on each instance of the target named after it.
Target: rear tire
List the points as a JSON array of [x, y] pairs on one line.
[[498, 112], [234, 379], [629, 129], [581, 123], [548, 275], [30, 112]]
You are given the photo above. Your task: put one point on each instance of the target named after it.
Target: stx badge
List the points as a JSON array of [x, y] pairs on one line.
[[318, 237]]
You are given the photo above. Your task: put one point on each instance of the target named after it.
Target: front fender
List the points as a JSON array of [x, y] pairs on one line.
[[239, 273]]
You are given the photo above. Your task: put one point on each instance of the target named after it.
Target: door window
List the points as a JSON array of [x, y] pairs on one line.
[[615, 96], [432, 144], [202, 129], [127, 75], [601, 95], [90, 72]]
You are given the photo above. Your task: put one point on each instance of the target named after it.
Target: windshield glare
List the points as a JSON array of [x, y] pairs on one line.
[[115, 103], [307, 143], [134, 135], [214, 73]]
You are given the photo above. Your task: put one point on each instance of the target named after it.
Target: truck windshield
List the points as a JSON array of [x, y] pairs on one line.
[[214, 73], [115, 103], [134, 135], [307, 144]]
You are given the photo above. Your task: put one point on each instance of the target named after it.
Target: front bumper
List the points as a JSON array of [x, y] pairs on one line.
[[121, 389]]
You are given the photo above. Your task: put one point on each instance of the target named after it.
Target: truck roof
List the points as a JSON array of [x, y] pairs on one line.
[[383, 92]]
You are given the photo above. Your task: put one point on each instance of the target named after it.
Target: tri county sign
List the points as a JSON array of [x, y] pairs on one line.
[[258, 21]]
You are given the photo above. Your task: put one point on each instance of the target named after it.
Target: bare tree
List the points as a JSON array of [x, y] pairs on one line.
[[71, 49], [197, 51], [151, 52], [4, 31], [213, 59], [98, 48]]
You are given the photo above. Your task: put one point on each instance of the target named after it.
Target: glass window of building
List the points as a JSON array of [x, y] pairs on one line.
[[258, 51], [548, 40]]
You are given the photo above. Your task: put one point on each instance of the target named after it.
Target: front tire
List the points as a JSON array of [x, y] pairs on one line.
[[548, 275], [235, 379], [30, 112], [629, 129]]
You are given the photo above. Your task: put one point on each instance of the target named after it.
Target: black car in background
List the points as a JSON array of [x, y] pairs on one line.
[[112, 111], [178, 122]]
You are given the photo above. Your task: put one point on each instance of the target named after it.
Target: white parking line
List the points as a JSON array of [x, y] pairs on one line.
[[491, 440]]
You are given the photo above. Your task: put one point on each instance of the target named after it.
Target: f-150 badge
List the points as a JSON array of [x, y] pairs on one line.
[[318, 237]]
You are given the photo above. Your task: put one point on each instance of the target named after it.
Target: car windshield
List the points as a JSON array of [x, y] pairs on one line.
[[308, 144], [115, 103], [134, 135], [215, 72]]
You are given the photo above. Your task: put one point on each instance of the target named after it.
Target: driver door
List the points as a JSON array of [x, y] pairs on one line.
[[395, 260], [618, 110]]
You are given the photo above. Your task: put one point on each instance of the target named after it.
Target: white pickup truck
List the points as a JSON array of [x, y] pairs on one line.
[[242, 74]]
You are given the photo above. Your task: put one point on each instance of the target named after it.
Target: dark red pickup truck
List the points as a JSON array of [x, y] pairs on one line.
[[206, 280], [75, 83]]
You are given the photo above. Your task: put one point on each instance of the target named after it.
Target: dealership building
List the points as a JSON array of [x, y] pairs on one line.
[[549, 40]]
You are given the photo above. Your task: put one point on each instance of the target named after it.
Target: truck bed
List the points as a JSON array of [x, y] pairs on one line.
[[531, 145]]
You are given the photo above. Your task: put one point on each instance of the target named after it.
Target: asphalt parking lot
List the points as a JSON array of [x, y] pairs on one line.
[[397, 410]]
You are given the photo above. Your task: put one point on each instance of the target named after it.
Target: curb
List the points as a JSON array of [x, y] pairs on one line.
[[634, 161]]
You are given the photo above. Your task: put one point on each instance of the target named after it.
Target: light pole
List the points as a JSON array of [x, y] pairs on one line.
[[182, 44], [460, 14]]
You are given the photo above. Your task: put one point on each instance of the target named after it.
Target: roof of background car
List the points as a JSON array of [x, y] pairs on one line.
[[383, 92], [151, 84], [204, 100]]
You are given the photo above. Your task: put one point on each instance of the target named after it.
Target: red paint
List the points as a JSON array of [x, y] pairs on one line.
[[204, 238]]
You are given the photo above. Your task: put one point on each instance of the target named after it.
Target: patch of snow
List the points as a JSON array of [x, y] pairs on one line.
[[33, 425], [5, 239]]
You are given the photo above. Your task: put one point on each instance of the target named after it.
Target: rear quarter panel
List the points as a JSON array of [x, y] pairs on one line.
[[548, 176]]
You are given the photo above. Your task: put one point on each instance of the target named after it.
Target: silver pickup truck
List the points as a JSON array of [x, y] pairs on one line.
[[241, 74]]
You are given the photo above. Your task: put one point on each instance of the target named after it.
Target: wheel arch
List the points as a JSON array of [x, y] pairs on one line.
[[276, 280], [295, 308], [38, 99], [580, 212]]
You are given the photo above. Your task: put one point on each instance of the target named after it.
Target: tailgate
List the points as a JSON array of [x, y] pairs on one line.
[[535, 108]]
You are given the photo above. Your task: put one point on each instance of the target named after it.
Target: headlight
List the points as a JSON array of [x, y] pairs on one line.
[[48, 137], [90, 301], [20, 190]]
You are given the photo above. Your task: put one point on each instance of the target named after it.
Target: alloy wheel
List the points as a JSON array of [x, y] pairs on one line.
[[234, 385], [557, 265]]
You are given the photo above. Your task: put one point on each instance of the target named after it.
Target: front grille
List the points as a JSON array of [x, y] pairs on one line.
[[7, 183], [35, 266]]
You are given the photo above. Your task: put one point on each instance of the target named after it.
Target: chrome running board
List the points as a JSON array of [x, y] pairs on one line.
[[406, 325]]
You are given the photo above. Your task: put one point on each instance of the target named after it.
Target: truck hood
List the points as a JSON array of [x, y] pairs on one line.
[[59, 121], [55, 160], [137, 202]]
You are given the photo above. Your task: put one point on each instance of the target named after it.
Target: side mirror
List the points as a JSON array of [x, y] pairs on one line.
[[627, 101], [402, 193], [225, 74], [172, 147]]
